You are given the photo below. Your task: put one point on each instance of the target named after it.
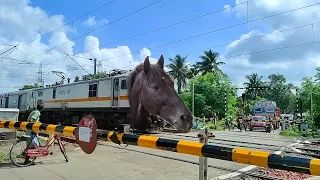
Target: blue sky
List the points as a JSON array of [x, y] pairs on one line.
[[24, 20], [159, 15]]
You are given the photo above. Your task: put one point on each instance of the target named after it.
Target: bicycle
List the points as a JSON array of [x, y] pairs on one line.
[[34, 149]]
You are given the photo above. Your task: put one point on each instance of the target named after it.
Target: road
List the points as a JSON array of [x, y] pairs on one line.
[[110, 161]]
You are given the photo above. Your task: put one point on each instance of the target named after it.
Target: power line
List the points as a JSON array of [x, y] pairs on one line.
[[145, 7], [9, 49], [6, 45], [70, 22], [256, 52], [77, 63], [274, 49], [171, 25], [210, 32], [225, 44], [216, 30], [272, 33]]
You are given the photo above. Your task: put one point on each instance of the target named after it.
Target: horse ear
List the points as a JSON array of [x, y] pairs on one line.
[[161, 61], [146, 65]]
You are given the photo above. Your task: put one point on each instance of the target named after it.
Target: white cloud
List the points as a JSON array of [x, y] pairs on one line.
[[20, 22], [91, 21], [295, 62], [227, 8]]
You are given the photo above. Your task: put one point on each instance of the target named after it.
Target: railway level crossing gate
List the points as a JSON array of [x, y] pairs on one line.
[[87, 139]]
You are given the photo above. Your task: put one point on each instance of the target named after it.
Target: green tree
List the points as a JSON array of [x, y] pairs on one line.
[[317, 75], [98, 75], [282, 96], [179, 70], [192, 71], [29, 86], [200, 106], [209, 62], [253, 81], [308, 86], [212, 87]]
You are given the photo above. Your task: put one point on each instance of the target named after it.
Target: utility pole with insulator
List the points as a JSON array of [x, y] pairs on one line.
[[95, 66]]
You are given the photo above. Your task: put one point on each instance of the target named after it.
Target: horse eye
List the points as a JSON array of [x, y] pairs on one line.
[[155, 87]]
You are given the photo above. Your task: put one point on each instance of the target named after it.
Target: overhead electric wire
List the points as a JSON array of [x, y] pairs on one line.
[[9, 49], [225, 44], [256, 52], [6, 44], [77, 63], [70, 22], [210, 32], [111, 22], [256, 37], [171, 25], [216, 30]]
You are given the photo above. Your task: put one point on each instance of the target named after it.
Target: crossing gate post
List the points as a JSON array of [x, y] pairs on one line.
[[203, 161]]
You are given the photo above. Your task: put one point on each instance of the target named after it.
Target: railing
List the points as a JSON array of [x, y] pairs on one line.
[[239, 155]]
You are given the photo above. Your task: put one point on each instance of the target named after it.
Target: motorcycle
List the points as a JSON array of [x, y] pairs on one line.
[[243, 125], [268, 127]]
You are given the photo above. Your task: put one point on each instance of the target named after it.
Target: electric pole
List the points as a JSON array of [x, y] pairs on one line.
[[40, 76], [95, 66]]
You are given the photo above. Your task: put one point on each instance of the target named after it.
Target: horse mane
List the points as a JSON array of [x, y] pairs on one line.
[[131, 78], [154, 76]]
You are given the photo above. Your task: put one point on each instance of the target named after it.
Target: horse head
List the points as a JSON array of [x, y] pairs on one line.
[[151, 90]]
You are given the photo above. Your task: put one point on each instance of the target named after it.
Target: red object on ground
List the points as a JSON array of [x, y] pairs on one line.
[[86, 134]]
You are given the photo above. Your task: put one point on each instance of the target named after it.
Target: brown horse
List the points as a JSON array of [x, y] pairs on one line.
[[151, 91]]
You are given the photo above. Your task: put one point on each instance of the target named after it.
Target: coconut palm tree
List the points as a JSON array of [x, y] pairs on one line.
[[209, 62], [254, 81], [317, 76], [179, 70], [193, 71]]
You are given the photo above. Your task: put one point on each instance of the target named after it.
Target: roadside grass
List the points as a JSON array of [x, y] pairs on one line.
[[294, 132], [290, 132], [4, 157]]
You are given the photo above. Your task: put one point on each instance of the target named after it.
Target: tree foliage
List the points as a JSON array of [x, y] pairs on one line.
[[209, 62], [209, 92], [29, 86], [275, 89], [179, 70], [310, 88]]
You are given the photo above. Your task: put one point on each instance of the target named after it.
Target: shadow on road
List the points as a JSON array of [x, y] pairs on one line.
[[7, 165]]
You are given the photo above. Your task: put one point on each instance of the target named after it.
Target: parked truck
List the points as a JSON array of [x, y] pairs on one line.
[[267, 109]]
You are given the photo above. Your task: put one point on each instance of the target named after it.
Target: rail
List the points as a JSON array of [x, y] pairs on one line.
[[239, 155]]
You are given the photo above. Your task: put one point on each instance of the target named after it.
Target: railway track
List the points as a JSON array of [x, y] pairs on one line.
[[102, 143], [258, 146], [240, 176]]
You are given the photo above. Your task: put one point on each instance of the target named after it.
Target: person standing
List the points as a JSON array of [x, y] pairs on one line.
[[33, 117]]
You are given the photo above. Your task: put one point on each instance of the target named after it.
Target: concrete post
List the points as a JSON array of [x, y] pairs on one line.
[[203, 161]]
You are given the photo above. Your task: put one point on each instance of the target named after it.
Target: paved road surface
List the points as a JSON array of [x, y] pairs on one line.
[[109, 161]]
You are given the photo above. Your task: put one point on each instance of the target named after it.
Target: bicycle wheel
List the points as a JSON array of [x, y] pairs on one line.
[[14, 157], [63, 150]]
